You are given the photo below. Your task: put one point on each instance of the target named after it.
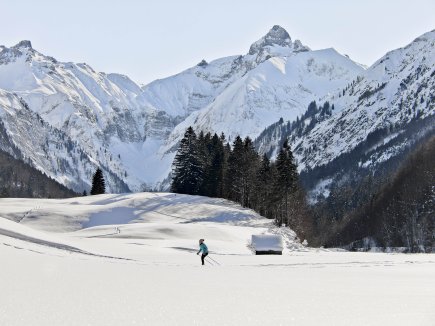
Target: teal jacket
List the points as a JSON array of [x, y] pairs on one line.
[[203, 248]]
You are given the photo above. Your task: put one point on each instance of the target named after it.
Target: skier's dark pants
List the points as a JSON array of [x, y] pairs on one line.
[[202, 257]]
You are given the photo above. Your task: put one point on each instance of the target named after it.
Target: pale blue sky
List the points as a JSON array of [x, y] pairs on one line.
[[147, 40]]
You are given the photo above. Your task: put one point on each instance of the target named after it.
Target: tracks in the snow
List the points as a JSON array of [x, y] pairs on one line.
[[55, 245]]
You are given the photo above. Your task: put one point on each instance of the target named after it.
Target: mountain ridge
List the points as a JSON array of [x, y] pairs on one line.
[[134, 130]]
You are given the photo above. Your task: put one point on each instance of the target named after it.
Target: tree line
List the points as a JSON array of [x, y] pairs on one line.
[[208, 165]]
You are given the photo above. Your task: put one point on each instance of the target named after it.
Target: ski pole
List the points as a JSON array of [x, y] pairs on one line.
[[209, 262], [213, 260]]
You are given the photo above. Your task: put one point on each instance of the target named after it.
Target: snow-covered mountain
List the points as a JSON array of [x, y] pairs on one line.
[[378, 116], [96, 112], [277, 78], [132, 132], [396, 89], [281, 86]]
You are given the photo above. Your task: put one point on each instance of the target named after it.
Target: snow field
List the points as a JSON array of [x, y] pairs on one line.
[[130, 260]]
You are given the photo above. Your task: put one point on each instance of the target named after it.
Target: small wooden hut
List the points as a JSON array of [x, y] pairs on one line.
[[267, 244]]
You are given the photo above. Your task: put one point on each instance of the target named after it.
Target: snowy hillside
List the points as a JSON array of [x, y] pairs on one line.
[[380, 115], [132, 132], [397, 88], [152, 216], [130, 259]]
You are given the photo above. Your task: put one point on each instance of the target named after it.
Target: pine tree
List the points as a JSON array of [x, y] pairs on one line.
[[286, 181], [263, 187], [205, 156], [251, 162], [187, 173], [225, 148], [225, 171], [212, 184], [98, 183], [234, 177], [241, 173], [312, 109]]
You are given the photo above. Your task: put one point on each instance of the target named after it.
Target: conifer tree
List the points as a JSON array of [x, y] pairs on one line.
[[226, 155], [263, 187], [187, 174], [241, 172], [249, 172], [98, 183], [214, 180], [205, 151], [312, 109], [234, 177], [286, 181], [224, 188]]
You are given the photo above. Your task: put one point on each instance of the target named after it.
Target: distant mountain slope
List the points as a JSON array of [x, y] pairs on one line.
[[97, 111], [17, 179], [379, 116], [25, 135], [401, 213], [390, 94]]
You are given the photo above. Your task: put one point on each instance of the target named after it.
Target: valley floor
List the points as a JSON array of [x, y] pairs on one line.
[[143, 270]]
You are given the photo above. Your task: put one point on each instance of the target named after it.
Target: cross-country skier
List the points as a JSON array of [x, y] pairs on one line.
[[204, 249]]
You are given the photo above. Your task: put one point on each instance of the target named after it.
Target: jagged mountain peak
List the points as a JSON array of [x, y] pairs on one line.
[[8, 55], [276, 36], [299, 47], [23, 44], [203, 63]]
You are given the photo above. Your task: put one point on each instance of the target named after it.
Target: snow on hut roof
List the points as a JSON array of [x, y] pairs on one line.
[[266, 242]]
